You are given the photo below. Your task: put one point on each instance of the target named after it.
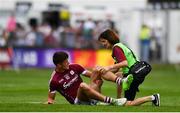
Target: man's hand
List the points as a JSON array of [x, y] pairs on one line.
[[51, 97], [103, 70], [48, 102]]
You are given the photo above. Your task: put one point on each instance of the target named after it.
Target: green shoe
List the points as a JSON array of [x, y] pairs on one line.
[[126, 82]]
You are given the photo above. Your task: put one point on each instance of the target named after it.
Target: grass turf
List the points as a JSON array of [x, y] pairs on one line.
[[26, 91]]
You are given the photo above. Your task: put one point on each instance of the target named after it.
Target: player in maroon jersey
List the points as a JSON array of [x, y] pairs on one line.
[[66, 80]]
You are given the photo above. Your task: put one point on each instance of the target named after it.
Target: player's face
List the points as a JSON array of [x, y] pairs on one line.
[[65, 65], [105, 43]]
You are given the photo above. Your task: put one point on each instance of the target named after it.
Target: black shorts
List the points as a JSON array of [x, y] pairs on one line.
[[131, 93]]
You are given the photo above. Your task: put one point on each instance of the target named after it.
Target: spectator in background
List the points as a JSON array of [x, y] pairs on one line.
[[20, 34], [113, 27], [68, 36], [45, 29], [34, 37], [10, 28], [50, 40], [57, 36], [51, 35], [2, 37], [79, 34], [145, 34], [88, 31], [156, 43], [96, 32]]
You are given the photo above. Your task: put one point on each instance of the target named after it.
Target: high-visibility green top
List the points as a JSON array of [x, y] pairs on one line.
[[129, 57], [145, 34]]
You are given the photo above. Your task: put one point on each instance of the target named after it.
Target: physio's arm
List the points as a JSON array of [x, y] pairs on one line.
[[113, 68], [118, 65]]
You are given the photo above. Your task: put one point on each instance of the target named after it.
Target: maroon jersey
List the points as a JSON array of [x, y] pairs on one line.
[[118, 54], [67, 83]]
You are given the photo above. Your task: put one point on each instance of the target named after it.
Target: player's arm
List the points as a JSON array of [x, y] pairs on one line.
[[51, 93], [82, 71], [87, 73], [51, 97]]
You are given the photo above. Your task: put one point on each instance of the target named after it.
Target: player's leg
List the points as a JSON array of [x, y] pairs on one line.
[[109, 76], [85, 93], [119, 87], [119, 91], [155, 99], [139, 101], [96, 85], [131, 93], [96, 81]]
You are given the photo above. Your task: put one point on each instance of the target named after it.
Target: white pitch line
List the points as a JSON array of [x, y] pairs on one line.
[[35, 102]]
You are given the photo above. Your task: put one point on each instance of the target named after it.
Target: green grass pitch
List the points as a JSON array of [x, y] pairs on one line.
[[26, 91]]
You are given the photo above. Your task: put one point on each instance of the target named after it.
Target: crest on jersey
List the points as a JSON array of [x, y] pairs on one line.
[[61, 80], [72, 72], [67, 77]]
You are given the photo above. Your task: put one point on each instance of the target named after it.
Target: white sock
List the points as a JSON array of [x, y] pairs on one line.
[[125, 79], [108, 100], [118, 80], [152, 97]]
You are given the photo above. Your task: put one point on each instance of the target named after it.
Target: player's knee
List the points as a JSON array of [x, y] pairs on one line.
[[119, 74], [99, 82], [83, 86]]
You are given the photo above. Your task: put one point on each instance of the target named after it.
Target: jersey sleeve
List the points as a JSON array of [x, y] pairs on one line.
[[79, 68], [52, 87], [118, 54]]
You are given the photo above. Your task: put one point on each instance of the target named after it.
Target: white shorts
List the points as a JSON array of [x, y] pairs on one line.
[[79, 102]]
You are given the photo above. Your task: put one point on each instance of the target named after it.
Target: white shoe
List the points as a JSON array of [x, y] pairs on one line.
[[102, 103], [119, 102]]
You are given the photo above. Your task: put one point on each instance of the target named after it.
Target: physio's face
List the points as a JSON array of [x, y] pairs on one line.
[[105, 43]]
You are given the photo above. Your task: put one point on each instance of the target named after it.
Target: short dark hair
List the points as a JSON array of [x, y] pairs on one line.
[[109, 35], [59, 57]]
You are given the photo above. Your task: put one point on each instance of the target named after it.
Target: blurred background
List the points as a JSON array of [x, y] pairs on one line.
[[32, 30]]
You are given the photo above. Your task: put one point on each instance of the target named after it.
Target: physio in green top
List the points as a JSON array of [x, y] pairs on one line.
[[124, 59]]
